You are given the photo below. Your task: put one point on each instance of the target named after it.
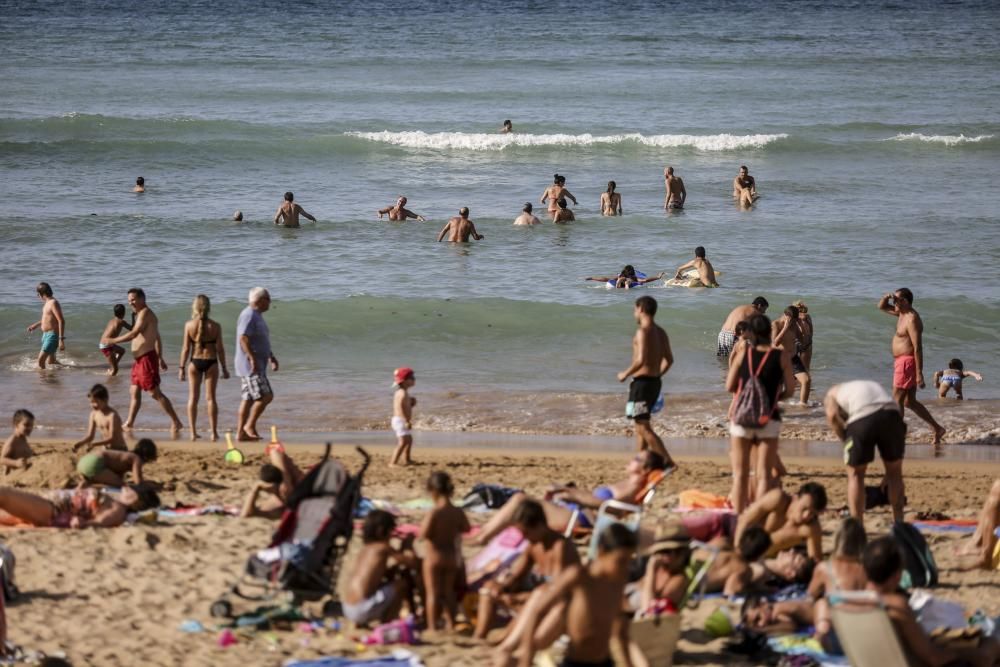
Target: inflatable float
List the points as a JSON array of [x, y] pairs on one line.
[[689, 279]]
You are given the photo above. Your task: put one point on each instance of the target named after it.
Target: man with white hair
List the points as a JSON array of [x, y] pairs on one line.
[[253, 345]]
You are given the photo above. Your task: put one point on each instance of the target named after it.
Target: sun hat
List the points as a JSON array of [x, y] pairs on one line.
[[669, 535]]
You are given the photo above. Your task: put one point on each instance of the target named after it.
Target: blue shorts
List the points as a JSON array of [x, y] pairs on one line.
[[50, 342]]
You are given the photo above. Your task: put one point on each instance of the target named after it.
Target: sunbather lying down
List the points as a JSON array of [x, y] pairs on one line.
[[77, 508], [563, 501]]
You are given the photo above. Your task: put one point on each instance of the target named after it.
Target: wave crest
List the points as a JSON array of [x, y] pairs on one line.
[[946, 139], [499, 142]]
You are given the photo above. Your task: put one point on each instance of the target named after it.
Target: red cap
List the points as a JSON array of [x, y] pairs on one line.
[[402, 374]]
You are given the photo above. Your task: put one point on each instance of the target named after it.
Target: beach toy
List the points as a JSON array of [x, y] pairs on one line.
[[233, 455], [718, 624], [632, 285], [275, 443], [226, 638]]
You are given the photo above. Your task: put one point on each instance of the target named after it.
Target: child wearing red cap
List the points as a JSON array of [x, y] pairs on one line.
[[402, 415]]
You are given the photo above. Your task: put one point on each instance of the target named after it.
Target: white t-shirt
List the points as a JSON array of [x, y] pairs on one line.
[[860, 398]]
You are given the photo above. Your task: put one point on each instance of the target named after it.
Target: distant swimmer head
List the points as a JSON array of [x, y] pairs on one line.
[[238, 216], [527, 207], [289, 196], [562, 202], [743, 170], [761, 304], [669, 171], [956, 365], [119, 310], [611, 186], [507, 125], [44, 289], [464, 211], [792, 313], [628, 271], [140, 181], [700, 252]]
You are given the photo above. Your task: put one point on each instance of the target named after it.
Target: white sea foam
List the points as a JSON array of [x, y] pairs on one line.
[[946, 139], [498, 142]]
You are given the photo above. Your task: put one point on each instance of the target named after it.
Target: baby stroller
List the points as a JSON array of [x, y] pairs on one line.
[[302, 562]]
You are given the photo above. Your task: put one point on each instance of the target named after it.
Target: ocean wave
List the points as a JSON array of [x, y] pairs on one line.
[[946, 139], [499, 142]]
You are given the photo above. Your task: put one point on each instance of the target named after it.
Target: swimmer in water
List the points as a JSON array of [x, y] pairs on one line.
[[398, 212], [460, 228], [676, 192], [507, 128], [289, 212], [611, 201], [745, 188], [555, 192], [706, 274], [140, 185], [626, 279], [563, 215], [526, 217]]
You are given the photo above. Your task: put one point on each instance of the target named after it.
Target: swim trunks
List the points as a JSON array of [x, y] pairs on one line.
[[642, 396], [676, 205], [952, 381], [146, 371], [372, 608], [725, 343], [798, 366], [904, 372], [883, 429], [568, 662], [108, 351], [706, 526], [50, 342], [90, 465], [399, 426], [255, 387]]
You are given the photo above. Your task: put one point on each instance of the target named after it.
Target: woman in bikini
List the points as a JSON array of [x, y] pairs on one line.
[[611, 201], [201, 358], [77, 508], [554, 193]]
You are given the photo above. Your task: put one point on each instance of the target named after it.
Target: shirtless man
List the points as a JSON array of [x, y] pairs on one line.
[[397, 212], [706, 273], [507, 127], [651, 359], [460, 228], [289, 211], [147, 348], [731, 572], [786, 334], [526, 217], [563, 215], [53, 327], [140, 185], [676, 192], [727, 335], [745, 188], [789, 520], [555, 192], [548, 553], [908, 352]]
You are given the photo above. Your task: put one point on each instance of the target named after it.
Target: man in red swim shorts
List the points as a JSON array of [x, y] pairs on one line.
[[908, 352], [148, 352]]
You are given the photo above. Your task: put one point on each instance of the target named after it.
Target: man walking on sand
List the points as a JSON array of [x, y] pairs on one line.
[[147, 348], [651, 359], [253, 352], [289, 212], [52, 324], [908, 353]]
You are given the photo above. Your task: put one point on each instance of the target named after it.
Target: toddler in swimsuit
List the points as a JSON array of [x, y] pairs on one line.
[[951, 378], [402, 415]]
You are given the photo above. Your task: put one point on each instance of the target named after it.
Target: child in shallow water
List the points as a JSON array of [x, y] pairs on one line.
[[441, 533], [951, 378]]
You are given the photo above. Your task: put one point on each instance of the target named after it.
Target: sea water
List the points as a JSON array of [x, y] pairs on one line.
[[873, 130]]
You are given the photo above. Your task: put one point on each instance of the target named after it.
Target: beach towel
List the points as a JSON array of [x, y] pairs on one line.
[[398, 658], [499, 554], [802, 644], [696, 499], [180, 510], [366, 505]]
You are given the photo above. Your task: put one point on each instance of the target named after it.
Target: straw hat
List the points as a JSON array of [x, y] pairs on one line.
[[669, 535]]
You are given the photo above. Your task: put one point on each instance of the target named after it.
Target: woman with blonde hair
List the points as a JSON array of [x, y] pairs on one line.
[[202, 355]]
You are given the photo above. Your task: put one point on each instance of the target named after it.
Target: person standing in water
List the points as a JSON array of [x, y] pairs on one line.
[[676, 192], [563, 215], [460, 228], [289, 212], [745, 188], [140, 185], [526, 217], [651, 359], [507, 128], [555, 192], [706, 274], [203, 356], [908, 356], [397, 212], [611, 201], [52, 324]]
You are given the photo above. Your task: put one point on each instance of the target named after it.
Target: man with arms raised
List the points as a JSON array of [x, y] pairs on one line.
[[253, 352], [52, 324], [908, 353], [727, 336], [676, 193], [399, 212], [289, 212], [651, 359], [147, 348], [460, 228]]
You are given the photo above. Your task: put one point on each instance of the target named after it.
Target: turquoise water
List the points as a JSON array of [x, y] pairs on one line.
[[873, 131]]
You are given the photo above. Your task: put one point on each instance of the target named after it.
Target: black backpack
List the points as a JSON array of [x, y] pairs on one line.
[[919, 568], [493, 496]]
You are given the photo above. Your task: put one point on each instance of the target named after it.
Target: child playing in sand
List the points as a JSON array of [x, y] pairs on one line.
[[108, 466], [16, 450], [402, 416], [373, 595], [112, 330], [105, 419], [951, 378], [441, 533]]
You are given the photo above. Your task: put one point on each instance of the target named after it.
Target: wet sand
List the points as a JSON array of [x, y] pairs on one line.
[[117, 596]]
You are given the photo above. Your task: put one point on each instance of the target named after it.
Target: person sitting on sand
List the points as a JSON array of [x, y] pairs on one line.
[[16, 450], [790, 520], [883, 565], [547, 555], [398, 212], [776, 618], [374, 593], [665, 582], [441, 532], [278, 479], [114, 353], [706, 274], [563, 214], [140, 185], [611, 201], [109, 467], [77, 508], [593, 596], [561, 503], [105, 419], [526, 219], [983, 543], [626, 279], [745, 188], [951, 378]]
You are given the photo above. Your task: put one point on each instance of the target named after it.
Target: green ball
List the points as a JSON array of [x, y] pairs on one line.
[[718, 624], [234, 456]]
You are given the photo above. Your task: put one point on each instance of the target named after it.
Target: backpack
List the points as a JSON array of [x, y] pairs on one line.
[[752, 407], [919, 568], [492, 496]]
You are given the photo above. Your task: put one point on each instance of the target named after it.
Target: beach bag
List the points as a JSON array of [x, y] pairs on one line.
[[752, 408], [919, 568], [493, 496]]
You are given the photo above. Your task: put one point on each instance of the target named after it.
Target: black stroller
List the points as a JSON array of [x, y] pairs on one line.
[[302, 562]]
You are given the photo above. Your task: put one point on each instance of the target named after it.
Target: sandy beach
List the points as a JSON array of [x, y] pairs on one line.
[[118, 596]]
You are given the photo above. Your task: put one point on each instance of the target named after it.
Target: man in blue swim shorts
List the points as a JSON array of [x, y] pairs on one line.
[[53, 327]]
